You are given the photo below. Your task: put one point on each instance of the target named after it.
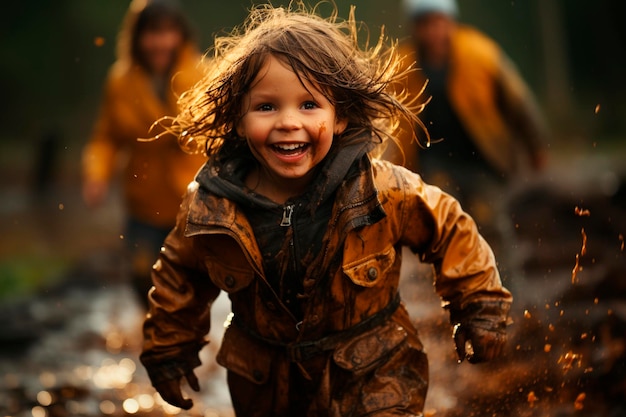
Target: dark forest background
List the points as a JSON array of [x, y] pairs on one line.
[[572, 52]]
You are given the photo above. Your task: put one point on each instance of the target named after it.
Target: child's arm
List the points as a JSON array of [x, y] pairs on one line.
[[179, 316], [466, 276]]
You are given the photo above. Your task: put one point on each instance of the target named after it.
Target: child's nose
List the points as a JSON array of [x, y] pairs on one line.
[[288, 120]]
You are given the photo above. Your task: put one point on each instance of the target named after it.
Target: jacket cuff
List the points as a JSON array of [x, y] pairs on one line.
[[162, 368]]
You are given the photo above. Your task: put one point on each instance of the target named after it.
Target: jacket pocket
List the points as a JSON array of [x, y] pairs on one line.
[[229, 278], [367, 351], [245, 356], [370, 270]]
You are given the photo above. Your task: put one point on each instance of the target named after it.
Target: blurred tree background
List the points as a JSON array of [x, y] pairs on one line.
[[55, 56]]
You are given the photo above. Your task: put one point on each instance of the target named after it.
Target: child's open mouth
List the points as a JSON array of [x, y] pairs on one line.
[[291, 149]]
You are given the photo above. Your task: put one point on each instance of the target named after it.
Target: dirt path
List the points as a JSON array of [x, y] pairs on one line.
[[72, 350]]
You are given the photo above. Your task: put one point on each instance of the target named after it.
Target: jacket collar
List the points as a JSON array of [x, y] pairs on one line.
[[357, 202], [356, 205]]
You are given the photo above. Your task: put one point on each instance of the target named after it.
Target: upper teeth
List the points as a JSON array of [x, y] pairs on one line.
[[290, 147]]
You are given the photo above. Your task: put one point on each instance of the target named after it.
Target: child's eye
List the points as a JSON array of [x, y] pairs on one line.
[[309, 105], [265, 107]]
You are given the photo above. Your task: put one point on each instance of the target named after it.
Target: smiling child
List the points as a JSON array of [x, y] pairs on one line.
[[295, 219]]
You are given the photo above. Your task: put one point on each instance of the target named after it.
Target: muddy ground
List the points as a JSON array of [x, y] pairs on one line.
[[70, 349]]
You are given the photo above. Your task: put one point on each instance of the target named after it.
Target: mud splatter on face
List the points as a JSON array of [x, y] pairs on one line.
[[322, 129]]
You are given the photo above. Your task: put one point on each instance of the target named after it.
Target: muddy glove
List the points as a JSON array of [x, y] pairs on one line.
[[480, 330], [170, 390], [166, 376]]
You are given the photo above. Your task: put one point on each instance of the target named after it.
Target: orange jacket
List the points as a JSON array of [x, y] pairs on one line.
[[155, 174], [213, 249], [490, 99]]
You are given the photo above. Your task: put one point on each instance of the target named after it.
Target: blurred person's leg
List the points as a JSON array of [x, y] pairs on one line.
[[143, 243]]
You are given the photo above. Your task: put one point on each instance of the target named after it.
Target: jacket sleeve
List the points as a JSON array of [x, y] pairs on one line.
[[447, 237], [100, 153], [520, 108], [180, 306]]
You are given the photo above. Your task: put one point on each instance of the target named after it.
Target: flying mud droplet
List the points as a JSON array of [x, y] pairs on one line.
[[578, 403], [583, 250], [569, 360], [581, 212]]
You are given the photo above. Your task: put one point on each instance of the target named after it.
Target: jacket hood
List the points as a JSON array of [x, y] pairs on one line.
[[143, 13]]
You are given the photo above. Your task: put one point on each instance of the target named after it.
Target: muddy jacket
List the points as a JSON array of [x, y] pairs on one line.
[[276, 363], [491, 100]]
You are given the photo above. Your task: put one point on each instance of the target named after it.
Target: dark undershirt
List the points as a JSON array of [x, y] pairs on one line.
[[288, 250], [452, 150]]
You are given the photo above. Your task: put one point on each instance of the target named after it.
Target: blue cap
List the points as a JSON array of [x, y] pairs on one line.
[[418, 8]]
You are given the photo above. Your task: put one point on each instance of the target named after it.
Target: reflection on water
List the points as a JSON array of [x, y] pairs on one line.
[[90, 366]]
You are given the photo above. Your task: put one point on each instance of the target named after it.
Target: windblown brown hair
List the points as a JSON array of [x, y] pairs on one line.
[[323, 51]]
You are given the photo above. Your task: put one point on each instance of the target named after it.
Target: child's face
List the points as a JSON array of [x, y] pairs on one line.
[[289, 127]]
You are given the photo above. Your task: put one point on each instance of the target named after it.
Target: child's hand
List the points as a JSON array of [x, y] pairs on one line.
[[170, 391], [484, 345], [480, 330]]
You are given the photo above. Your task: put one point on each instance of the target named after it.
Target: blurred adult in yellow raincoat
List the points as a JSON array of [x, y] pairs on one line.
[[484, 125], [156, 62]]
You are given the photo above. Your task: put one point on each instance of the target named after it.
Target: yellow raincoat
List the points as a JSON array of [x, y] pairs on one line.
[[155, 174], [489, 97]]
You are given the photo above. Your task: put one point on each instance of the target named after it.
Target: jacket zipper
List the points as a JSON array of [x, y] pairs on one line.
[[287, 214], [287, 221]]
